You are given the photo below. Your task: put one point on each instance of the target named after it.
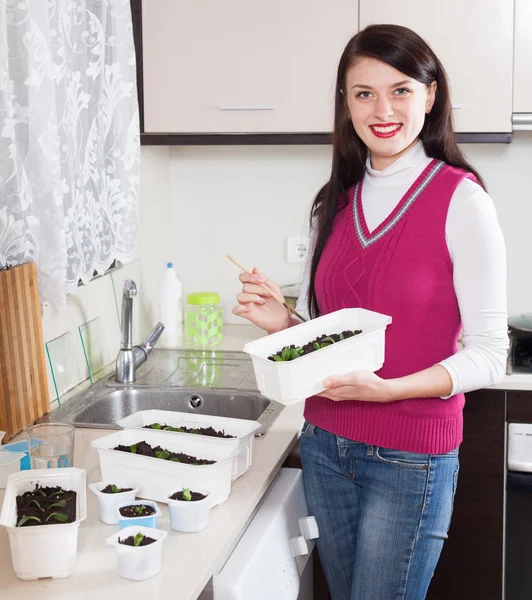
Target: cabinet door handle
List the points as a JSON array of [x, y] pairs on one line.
[[238, 107], [456, 107]]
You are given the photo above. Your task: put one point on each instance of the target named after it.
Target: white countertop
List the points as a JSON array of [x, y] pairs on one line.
[[189, 559], [516, 381]]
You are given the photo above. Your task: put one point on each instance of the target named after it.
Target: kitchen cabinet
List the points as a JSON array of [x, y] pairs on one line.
[[471, 563], [242, 67], [522, 55], [474, 41]]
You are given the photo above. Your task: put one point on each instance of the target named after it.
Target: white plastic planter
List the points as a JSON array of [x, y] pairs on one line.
[[9, 463], [108, 503], [141, 562], [189, 517], [43, 550], [155, 477], [243, 430], [149, 521], [293, 381]]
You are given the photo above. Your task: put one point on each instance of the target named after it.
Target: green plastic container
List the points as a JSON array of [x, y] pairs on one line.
[[203, 320]]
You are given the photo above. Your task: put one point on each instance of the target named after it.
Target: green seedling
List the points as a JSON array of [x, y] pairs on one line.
[[133, 448], [58, 517], [137, 540], [156, 426], [41, 492], [37, 504], [60, 504], [175, 459], [115, 489], [186, 494], [162, 454], [288, 353], [139, 509], [26, 519]]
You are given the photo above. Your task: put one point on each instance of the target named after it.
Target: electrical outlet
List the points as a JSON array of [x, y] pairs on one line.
[[296, 249]]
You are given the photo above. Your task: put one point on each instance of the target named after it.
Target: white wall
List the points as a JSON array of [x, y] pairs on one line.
[[245, 200], [507, 170]]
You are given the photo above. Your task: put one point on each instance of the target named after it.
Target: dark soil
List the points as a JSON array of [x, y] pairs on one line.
[[195, 496], [318, 343], [137, 510], [130, 541], [209, 431], [144, 449], [39, 506], [108, 489]]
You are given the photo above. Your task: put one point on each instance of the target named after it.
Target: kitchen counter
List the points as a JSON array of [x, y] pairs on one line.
[[189, 559], [516, 381]]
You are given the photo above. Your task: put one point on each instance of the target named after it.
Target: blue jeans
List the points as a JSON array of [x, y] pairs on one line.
[[383, 514]]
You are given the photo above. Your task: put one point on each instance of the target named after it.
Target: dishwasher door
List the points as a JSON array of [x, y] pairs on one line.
[[273, 558], [518, 538]]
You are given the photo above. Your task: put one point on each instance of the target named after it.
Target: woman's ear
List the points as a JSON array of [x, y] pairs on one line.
[[431, 96]]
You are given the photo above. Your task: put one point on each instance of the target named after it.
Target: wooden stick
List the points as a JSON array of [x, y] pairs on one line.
[[280, 299]]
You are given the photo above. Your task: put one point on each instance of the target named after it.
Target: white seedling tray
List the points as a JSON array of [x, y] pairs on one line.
[[43, 550], [243, 430], [155, 477], [293, 381]]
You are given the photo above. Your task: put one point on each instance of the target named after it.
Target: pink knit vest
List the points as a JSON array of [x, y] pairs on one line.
[[401, 269]]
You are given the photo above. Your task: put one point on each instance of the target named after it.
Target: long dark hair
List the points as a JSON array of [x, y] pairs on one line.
[[407, 52]]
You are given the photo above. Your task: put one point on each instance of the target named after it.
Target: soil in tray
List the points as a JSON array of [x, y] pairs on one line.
[[144, 449], [113, 489], [137, 510], [292, 352], [137, 540], [195, 496], [46, 506], [209, 431]]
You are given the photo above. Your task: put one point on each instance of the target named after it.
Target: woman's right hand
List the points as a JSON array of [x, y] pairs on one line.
[[257, 305]]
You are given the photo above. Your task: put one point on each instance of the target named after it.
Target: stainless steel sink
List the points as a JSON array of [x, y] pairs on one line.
[[107, 401]]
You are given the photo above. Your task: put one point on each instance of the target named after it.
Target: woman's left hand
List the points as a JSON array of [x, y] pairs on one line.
[[359, 385]]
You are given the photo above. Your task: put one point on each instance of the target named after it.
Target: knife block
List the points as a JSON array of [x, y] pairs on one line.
[[23, 384]]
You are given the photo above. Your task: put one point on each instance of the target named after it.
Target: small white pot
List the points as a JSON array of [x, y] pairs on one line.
[[147, 521], [109, 503], [142, 562], [9, 463], [189, 516]]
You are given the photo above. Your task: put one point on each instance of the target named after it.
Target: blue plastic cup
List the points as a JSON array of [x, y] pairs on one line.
[[148, 521], [25, 464]]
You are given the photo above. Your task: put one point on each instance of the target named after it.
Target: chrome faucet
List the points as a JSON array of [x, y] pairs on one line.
[[131, 357]]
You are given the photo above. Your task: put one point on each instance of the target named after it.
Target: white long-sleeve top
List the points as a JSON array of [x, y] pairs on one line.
[[476, 247]]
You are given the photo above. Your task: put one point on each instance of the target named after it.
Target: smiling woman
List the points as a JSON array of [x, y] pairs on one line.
[[391, 109], [405, 228]]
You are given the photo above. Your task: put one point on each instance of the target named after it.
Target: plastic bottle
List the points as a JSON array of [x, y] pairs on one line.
[[171, 311]]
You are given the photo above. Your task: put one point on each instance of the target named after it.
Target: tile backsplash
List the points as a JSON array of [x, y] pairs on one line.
[[207, 202]]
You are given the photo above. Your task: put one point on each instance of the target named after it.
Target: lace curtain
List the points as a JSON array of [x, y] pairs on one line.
[[69, 139]]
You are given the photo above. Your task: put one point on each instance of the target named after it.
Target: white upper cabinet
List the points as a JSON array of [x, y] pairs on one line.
[[243, 66], [523, 57], [474, 41]]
